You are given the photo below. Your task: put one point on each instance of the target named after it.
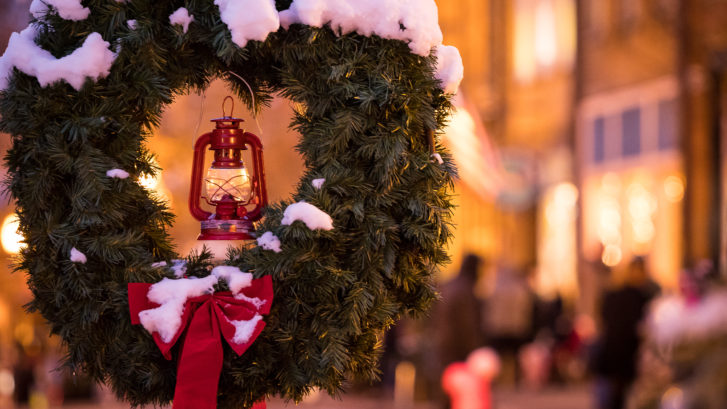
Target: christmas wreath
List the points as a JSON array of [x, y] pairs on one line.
[[80, 91]]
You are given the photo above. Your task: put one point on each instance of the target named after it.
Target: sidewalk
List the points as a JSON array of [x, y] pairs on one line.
[[577, 397], [571, 397]]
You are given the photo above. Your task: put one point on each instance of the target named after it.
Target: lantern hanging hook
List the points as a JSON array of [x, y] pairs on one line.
[[252, 97], [232, 107]]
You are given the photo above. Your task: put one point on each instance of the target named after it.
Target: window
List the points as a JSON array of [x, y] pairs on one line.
[[599, 140], [631, 132], [668, 125], [623, 128]]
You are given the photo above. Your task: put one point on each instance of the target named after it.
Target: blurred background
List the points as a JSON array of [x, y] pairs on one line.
[[589, 135]]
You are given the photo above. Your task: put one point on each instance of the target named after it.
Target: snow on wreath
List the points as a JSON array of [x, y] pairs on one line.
[[412, 21], [312, 216], [92, 60]]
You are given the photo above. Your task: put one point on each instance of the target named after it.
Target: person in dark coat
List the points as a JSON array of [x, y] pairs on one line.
[[458, 314], [616, 356], [456, 317]]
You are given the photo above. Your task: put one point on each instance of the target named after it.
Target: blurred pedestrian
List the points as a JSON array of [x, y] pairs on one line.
[[509, 320], [23, 377], [615, 355], [457, 316]]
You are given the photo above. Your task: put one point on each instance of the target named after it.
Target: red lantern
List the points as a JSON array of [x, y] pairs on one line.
[[228, 185]]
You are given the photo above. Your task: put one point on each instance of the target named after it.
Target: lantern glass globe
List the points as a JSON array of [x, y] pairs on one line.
[[234, 182]]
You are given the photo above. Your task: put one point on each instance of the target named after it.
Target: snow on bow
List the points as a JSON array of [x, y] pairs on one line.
[[170, 307]]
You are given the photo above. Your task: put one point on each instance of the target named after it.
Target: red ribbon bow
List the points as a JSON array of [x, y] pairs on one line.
[[204, 318]]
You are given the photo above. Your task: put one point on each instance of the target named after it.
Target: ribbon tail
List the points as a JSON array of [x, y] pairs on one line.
[[200, 363], [138, 301]]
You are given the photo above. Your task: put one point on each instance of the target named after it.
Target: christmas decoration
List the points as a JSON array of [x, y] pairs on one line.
[[468, 383], [205, 317], [229, 186], [80, 94], [685, 349]]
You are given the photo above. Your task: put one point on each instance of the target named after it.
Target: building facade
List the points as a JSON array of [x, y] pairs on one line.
[[702, 73], [519, 61], [650, 115]]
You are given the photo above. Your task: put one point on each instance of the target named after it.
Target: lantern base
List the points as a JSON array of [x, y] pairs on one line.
[[226, 230]]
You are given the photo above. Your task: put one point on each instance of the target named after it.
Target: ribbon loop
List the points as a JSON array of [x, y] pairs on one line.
[[205, 320]]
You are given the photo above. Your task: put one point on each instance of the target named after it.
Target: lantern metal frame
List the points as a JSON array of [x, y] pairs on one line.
[[231, 219]]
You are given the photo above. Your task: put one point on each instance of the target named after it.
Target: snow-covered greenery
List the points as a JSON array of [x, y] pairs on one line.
[[367, 104]]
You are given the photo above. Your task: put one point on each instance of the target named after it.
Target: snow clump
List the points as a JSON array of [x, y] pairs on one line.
[[249, 19], [450, 70], [269, 241], [77, 256], [131, 24], [312, 216], [181, 17], [117, 173], [236, 279], [412, 21], [245, 329], [171, 295], [67, 9], [179, 267], [673, 319], [318, 183], [92, 60]]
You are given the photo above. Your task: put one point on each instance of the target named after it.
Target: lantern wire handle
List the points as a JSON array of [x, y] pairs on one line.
[[203, 95], [252, 96], [232, 108]]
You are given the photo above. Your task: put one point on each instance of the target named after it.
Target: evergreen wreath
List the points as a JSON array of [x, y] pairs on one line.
[[365, 105]]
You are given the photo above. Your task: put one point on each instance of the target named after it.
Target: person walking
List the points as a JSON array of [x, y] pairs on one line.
[[616, 351], [456, 317]]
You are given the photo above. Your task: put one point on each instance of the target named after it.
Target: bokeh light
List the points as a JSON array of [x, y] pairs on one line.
[[673, 398], [24, 333], [642, 205], [674, 188], [612, 255], [156, 184], [12, 241], [7, 382]]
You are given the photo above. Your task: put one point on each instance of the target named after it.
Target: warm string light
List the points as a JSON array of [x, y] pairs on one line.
[[155, 183], [627, 214], [673, 188], [642, 206], [556, 273], [12, 241], [610, 220]]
